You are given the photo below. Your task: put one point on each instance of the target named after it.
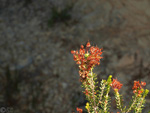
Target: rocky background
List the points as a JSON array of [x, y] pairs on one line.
[[37, 71]]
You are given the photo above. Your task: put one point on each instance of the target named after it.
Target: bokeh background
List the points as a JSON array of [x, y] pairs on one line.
[[37, 71]]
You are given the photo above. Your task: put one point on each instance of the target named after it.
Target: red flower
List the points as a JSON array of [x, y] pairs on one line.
[[88, 44], [86, 92], [143, 83], [87, 58], [137, 87], [140, 91], [116, 84], [79, 110]]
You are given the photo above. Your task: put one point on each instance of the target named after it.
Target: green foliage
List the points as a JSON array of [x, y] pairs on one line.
[[119, 101], [99, 101], [140, 102]]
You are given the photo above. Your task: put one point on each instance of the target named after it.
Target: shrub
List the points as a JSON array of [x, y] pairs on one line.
[[98, 97]]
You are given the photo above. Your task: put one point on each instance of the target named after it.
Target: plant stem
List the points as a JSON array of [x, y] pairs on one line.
[[119, 102], [139, 106], [134, 101], [93, 87], [105, 103], [102, 91]]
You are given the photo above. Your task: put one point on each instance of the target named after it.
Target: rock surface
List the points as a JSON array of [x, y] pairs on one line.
[[46, 73]]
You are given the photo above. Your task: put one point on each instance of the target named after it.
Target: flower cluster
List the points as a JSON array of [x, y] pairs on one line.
[[87, 58], [86, 92], [79, 110], [137, 87], [116, 85]]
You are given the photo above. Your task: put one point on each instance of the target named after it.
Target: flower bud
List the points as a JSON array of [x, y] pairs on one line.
[[86, 55]]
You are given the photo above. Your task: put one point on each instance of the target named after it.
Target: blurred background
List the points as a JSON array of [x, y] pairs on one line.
[[37, 71]]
